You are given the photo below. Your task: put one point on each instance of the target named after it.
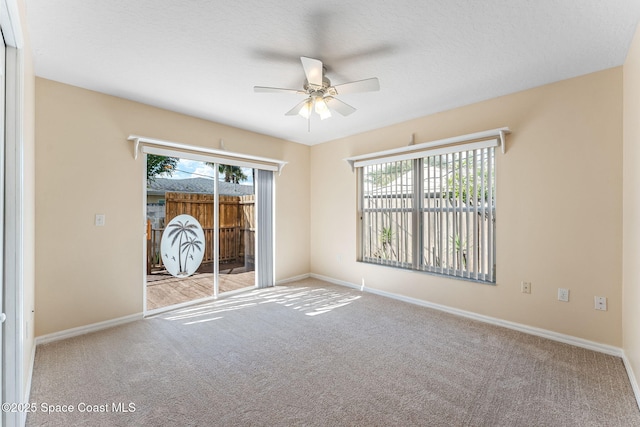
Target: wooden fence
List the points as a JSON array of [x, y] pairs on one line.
[[236, 224]]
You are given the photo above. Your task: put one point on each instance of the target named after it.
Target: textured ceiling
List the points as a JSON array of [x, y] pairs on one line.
[[203, 57]]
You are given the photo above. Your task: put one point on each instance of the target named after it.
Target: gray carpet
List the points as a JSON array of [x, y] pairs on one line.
[[315, 354]]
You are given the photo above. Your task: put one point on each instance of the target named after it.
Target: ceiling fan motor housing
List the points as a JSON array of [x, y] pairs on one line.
[[309, 88]]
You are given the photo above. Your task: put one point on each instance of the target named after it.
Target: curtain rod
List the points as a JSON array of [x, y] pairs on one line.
[[498, 134], [142, 140]]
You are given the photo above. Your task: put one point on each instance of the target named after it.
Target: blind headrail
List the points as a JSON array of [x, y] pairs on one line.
[[493, 137]]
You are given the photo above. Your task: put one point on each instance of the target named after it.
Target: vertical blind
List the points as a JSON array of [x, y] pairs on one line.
[[265, 230], [458, 214]]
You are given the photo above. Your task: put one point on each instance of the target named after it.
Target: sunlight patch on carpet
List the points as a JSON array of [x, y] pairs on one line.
[[308, 300]]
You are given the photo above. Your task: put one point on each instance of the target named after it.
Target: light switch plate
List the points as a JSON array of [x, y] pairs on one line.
[[563, 294], [100, 219]]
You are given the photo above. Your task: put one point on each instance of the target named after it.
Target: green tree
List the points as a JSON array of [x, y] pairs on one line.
[[233, 174], [388, 173], [160, 165]]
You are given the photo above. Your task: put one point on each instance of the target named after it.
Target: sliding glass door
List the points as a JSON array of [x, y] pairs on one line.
[[200, 238]]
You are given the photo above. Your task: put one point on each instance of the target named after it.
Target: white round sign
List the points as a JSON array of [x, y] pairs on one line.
[[182, 246]]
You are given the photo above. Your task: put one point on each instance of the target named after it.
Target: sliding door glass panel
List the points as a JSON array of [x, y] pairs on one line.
[[237, 228], [180, 231]]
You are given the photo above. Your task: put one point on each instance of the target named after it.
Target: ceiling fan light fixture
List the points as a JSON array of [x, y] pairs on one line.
[[305, 111], [322, 109]]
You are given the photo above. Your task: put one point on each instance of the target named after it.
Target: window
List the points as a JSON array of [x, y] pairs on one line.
[[431, 210]]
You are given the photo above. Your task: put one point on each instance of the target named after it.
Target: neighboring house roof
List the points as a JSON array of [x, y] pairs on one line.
[[159, 186]]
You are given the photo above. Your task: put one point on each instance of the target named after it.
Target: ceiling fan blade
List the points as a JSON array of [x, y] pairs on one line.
[[313, 71], [265, 89], [366, 85], [339, 106], [299, 107]]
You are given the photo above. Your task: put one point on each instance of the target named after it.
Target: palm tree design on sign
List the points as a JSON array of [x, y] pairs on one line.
[[183, 231], [191, 245]]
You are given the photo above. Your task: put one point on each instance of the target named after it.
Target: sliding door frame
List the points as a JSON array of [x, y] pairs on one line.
[[14, 328]]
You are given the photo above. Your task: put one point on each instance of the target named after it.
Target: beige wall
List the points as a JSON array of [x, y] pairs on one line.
[[559, 207], [84, 163], [631, 209]]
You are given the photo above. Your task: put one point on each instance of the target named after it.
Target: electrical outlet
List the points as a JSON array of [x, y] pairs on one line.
[[601, 303], [525, 287], [563, 294]]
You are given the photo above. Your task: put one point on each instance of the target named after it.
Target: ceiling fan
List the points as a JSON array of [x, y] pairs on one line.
[[320, 95]]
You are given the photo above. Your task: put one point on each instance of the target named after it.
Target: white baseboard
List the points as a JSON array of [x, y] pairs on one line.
[[544, 333], [339, 282], [632, 378], [81, 330], [27, 391], [68, 333], [293, 279]]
